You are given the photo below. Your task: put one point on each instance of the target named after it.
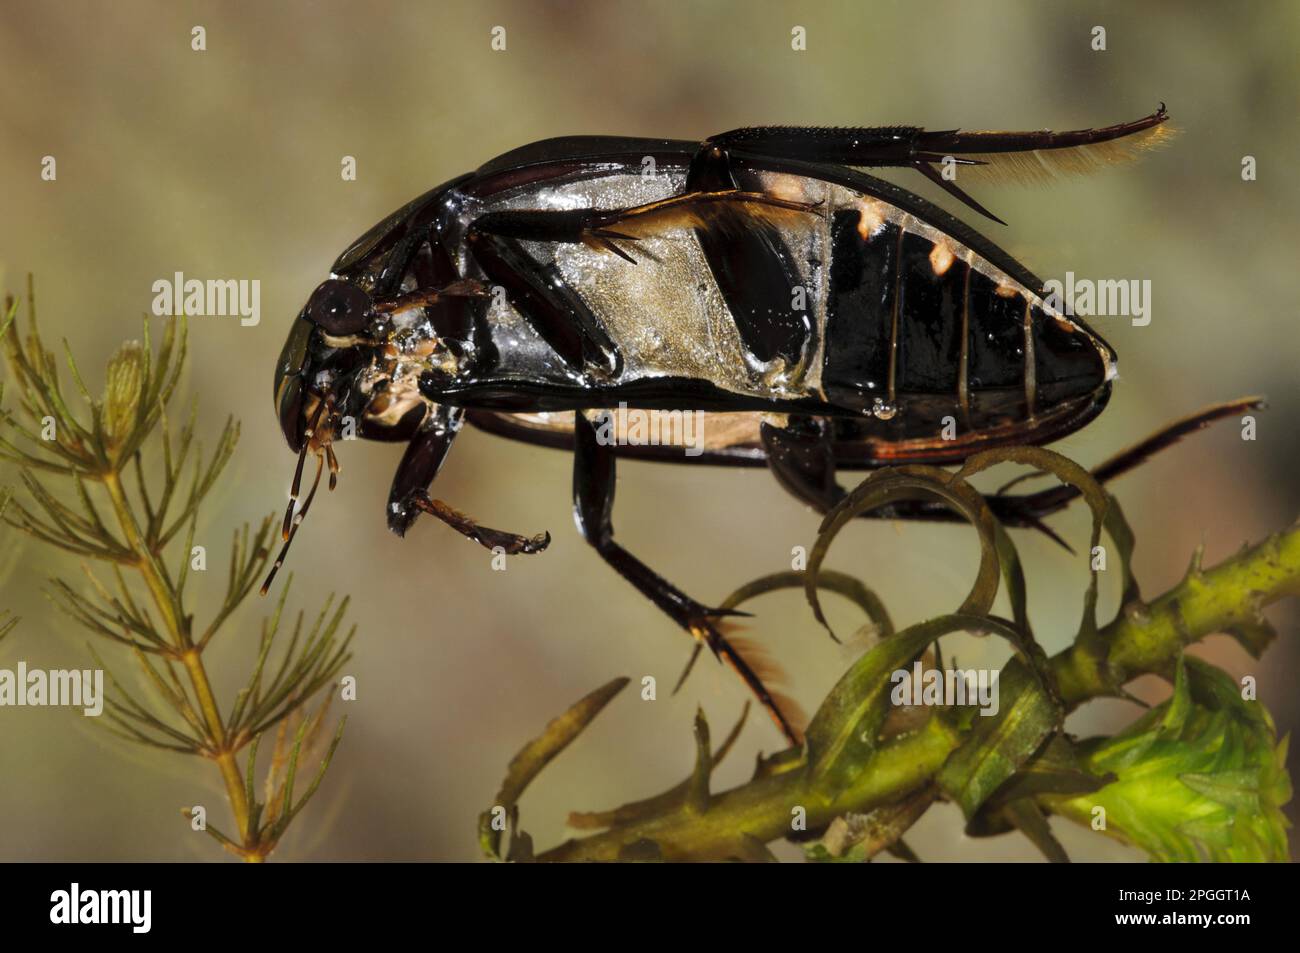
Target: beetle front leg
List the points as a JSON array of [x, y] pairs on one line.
[[544, 298], [420, 464], [593, 505], [513, 544]]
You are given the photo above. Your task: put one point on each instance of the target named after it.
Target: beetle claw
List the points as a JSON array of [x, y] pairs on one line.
[[610, 233], [606, 243], [722, 613], [605, 238]]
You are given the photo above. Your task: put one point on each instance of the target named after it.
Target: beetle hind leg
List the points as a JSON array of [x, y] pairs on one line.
[[593, 499], [1029, 509], [989, 155]]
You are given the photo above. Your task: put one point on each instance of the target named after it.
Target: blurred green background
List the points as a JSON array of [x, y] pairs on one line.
[[226, 164]]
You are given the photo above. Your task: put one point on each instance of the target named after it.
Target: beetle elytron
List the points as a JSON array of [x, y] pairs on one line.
[[578, 274]]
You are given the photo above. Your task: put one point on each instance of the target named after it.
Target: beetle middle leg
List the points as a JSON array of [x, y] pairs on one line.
[[737, 233], [593, 502], [801, 456], [540, 293]]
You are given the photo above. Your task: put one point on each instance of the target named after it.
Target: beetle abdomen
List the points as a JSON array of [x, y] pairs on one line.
[[859, 306], [919, 328]]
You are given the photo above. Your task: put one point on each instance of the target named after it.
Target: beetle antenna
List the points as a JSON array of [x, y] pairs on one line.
[[293, 523], [296, 486]]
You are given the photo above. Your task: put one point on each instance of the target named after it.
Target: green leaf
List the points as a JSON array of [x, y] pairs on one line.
[[1068, 472], [538, 753], [844, 731], [856, 838], [1055, 769], [1026, 816], [662, 803], [1254, 635], [1235, 789], [123, 382], [1203, 763], [1180, 703], [997, 746], [1121, 534], [697, 788]]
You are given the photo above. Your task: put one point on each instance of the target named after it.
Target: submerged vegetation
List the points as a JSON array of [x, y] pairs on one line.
[[112, 482], [1199, 777], [115, 483]]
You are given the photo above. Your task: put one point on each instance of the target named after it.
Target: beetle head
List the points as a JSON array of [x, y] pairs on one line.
[[321, 358], [318, 384]]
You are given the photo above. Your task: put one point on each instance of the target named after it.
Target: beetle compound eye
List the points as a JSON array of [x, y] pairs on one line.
[[339, 308]]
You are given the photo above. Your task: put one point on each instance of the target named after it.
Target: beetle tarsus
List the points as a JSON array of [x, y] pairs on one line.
[[513, 544], [463, 288], [915, 147]]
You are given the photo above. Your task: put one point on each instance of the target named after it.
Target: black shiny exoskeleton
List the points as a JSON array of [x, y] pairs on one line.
[[822, 318]]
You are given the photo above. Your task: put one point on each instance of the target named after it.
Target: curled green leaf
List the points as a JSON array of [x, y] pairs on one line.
[[1069, 472], [838, 582], [908, 483]]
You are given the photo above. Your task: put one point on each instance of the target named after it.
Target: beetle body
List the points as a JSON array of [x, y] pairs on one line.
[[905, 318], [823, 318]]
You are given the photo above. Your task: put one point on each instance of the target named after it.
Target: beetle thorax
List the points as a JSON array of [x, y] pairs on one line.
[[391, 383]]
